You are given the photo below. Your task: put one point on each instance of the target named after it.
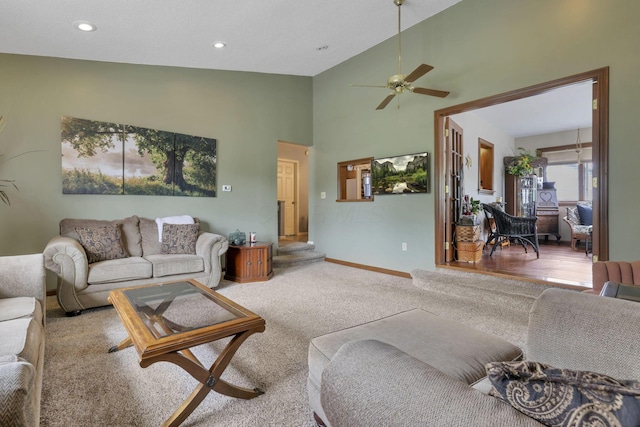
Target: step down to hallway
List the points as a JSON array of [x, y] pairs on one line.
[[296, 254]]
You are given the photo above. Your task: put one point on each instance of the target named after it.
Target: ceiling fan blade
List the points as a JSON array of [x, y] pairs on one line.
[[386, 101], [432, 92], [418, 72]]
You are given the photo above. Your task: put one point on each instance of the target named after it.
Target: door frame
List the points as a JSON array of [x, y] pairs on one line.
[[600, 139]]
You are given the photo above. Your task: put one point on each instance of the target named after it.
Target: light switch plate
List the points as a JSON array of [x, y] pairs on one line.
[[226, 188]]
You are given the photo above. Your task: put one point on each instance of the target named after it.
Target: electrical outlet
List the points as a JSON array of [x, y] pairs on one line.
[[323, 195], [404, 246], [226, 188]]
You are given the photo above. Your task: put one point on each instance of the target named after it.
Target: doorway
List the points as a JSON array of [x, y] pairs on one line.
[[293, 192], [599, 79]]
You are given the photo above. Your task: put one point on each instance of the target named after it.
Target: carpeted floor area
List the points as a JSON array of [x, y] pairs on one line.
[[84, 385]]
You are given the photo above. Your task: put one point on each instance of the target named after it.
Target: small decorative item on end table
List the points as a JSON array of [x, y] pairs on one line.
[[250, 262], [162, 326]]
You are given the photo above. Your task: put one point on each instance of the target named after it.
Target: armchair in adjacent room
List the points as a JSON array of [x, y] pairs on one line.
[[580, 222], [519, 229]]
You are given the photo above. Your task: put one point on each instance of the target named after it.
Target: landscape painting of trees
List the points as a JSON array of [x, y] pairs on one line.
[[406, 174], [112, 158]]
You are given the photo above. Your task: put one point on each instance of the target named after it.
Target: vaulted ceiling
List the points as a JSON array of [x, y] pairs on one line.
[[294, 37]]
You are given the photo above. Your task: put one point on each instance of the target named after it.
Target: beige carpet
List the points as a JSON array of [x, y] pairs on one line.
[[86, 386]]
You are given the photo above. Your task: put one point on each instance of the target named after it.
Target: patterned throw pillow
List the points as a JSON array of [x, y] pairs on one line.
[[179, 238], [572, 216], [563, 397], [102, 242]]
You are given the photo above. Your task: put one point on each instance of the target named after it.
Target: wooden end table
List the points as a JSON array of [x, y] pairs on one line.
[[251, 262], [165, 320]]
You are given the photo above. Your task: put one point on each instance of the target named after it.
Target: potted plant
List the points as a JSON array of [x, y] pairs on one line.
[[520, 165], [470, 210]]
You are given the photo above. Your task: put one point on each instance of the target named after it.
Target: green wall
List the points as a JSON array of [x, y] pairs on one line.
[[478, 49], [246, 112]]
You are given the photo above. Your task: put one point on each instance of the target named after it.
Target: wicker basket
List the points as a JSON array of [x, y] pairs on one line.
[[470, 251], [467, 233]]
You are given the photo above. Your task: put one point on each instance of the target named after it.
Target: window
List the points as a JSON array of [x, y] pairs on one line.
[[485, 167], [573, 178]]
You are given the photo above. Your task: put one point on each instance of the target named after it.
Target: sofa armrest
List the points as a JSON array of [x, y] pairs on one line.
[[17, 392], [23, 276], [211, 247], [373, 383], [66, 257]]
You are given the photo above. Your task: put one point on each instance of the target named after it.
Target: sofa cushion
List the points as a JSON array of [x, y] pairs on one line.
[[130, 231], [168, 265], [179, 238], [22, 338], [565, 397], [101, 243], [451, 347], [20, 307], [119, 270], [149, 234]]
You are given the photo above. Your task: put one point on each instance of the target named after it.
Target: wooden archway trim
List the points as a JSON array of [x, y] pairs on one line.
[[600, 139]]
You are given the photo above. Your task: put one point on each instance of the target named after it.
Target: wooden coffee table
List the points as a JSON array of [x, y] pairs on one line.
[[165, 320]]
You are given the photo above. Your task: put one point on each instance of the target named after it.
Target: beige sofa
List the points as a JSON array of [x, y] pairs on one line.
[[22, 321], [84, 284], [371, 380]]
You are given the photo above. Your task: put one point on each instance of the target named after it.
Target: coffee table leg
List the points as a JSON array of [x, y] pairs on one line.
[[209, 378], [123, 344]]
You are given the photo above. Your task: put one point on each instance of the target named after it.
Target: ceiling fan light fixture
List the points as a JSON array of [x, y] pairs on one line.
[[399, 83]]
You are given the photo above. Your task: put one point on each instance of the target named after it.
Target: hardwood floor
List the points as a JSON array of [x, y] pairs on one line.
[[558, 264]]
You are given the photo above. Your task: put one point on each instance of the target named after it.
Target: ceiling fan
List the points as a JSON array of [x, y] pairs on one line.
[[399, 83]]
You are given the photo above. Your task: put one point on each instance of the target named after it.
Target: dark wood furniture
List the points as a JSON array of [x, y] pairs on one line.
[[164, 321], [250, 262], [548, 212]]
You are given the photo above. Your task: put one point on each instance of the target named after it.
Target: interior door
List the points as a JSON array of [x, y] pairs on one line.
[[454, 183], [287, 193]]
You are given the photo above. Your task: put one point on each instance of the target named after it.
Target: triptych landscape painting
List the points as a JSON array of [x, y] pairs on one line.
[[112, 158]]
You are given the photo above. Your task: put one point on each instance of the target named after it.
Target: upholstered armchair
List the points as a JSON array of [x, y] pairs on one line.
[[520, 229], [624, 272], [580, 227]]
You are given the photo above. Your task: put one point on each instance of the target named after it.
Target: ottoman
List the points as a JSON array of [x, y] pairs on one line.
[[451, 347]]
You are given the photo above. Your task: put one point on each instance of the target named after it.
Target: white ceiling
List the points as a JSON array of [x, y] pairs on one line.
[[266, 36], [566, 108]]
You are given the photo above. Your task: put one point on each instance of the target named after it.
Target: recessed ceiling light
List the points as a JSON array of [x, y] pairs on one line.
[[219, 45], [85, 26]]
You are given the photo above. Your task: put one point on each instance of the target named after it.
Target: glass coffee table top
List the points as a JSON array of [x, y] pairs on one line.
[[173, 308]]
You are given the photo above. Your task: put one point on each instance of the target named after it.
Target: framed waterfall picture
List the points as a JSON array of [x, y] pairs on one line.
[[407, 174]]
